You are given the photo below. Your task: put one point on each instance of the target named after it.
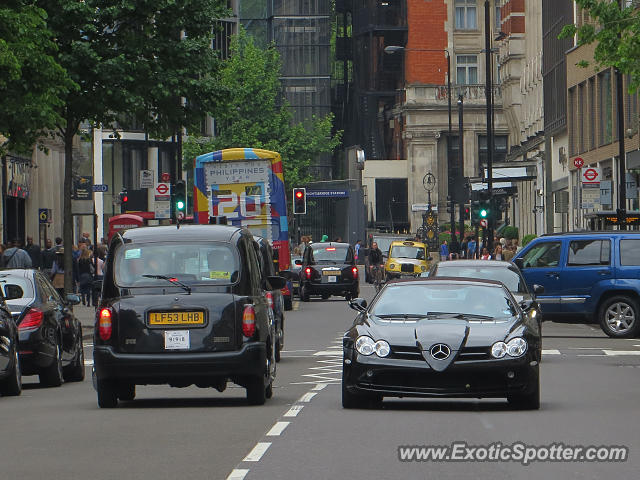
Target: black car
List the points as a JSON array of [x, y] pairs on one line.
[[275, 298], [441, 337], [182, 307], [50, 336], [505, 272], [329, 269], [10, 375]]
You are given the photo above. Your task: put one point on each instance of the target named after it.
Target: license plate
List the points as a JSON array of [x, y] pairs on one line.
[[176, 318], [329, 272], [295, 284], [176, 340], [331, 279]]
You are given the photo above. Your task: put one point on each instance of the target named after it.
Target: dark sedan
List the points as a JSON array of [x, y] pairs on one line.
[[329, 269], [10, 376], [50, 336], [441, 337], [505, 272]]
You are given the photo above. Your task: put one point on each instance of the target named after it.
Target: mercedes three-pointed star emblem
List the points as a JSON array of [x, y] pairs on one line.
[[440, 351]]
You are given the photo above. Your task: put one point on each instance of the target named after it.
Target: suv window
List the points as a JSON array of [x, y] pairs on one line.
[[589, 252], [630, 252], [545, 254]]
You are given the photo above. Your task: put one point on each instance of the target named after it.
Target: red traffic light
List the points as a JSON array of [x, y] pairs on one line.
[[299, 201], [125, 199], [299, 194]]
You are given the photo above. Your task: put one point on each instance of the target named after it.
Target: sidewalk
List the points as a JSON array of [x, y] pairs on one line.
[[87, 316]]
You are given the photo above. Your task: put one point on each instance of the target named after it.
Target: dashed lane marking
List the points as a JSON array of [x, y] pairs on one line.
[[307, 397], [618, 353], [293, 411], [328, 353], [238, 474], [277, 429], [258, 451], [552, 351], [318, 387]]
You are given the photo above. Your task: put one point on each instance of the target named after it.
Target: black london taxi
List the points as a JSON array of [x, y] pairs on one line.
[[184, 307], [329, 269]]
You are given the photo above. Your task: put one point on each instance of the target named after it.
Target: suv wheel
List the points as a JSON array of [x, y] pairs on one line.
[[52, 375], [619, 317]]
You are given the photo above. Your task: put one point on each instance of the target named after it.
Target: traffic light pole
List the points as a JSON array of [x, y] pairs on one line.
[[489, 96], [460, 169]]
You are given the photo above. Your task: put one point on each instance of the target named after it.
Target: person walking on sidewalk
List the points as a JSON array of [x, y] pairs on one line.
[[86, 270], [15, 257]]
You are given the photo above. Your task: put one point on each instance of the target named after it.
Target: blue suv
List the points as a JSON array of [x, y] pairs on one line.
[[595, 274]]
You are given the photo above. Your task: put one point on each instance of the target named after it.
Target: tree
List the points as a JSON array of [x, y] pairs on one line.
[[615, 29], [132, 57], [255, 116], [32, 83]]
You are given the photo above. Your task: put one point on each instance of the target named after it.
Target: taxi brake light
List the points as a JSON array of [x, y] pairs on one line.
[[105, 324], [249, 321], [307, 272], [330, 249], [354, 270]]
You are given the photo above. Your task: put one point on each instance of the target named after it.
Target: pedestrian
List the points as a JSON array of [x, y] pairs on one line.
[[97, 279], [34, 252], [48, 256], [357, 249], [485, 255], [57, 272], [15, 257], [86, 240], [86, 271], [471, 247], [497, 253], [444, 251], [454, 248], [463, 247], [508, 253]]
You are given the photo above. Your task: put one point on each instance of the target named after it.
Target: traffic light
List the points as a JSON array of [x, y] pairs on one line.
[[180, 196], [299, 201], [484, 211], [467, 212], [124, 198]]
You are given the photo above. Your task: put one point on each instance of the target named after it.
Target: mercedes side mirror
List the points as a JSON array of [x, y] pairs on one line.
[[358, 304]]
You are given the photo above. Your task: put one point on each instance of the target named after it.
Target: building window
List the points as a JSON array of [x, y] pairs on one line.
[[498, 18], [582, 119], [571, 114], [605, 105], [500, 149], [466, 15], [467, 69], [592, 113]]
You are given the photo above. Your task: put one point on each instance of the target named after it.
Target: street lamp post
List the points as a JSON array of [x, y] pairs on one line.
[[489, 97], [391, 49]]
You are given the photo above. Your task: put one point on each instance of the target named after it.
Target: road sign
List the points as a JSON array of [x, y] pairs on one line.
[[483, 223], [590, 198], [591, 176], [100, 187], [162, 192], [44, 215], [82, 187], [165, 177], [146, 179], [162, 210], [578, 162]]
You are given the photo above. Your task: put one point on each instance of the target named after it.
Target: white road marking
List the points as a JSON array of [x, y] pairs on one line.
[[325, 382], [256, 454], [619, 353], [328, 353], [295, 351], [551, 351], [307, 397], [294, 411], [238, 474], [277, 429], [319, 387], [88, 362], [584, 348]]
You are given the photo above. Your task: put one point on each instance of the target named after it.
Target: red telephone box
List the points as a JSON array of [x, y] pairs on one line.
[[123, 222]]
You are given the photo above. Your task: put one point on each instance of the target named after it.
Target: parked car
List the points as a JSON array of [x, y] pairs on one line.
[[406, 258], [441, 337], [505, 272], [182, 307], [591, 274], [10, 375], [329, 268], [50, 336], [275, 298]]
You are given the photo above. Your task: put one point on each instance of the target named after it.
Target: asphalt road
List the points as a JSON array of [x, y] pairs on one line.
[[589, 397]]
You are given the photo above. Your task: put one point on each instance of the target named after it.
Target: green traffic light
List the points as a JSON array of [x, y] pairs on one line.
[[483, 213], [180, 205]]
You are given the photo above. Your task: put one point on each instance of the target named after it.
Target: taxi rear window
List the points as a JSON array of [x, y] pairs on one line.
[[404, 251], [208, 263]]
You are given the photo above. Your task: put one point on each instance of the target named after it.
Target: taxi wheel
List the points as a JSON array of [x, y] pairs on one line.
[[75, 371], [256, 391], [107, 397], [325, 296], [304, 294], [126, 391]]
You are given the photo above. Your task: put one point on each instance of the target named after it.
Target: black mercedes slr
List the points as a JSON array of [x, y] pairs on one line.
[[441, 337]]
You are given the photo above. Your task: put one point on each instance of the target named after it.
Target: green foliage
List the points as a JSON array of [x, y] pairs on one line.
[[615, 30], [527, 238], [510, 232], [256, 116], [32, 83]]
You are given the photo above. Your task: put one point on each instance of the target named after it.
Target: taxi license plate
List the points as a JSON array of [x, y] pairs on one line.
[[330, 272], [176, 318], [176, 340]]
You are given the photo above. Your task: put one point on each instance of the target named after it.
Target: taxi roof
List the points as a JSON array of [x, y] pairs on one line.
[[407, 243], [169, 233]]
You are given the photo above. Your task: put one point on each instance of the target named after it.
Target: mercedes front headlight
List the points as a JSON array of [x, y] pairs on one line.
[[365, 345], [516, 347], [382, 348], [498, 350]]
